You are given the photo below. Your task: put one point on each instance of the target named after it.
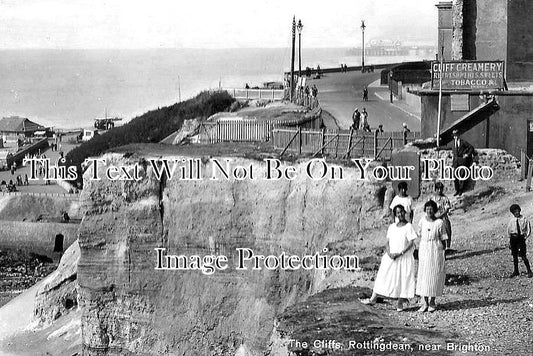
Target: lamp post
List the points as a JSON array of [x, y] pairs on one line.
[[299, 28], [293, 35], [363, 53], [390, 85]]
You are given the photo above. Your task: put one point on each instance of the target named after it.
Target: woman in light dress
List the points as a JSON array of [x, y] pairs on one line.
[[431, 272], [404, 200], [396, 274], [443, 208]]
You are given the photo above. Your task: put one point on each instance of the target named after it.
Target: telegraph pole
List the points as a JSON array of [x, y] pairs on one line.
[[179, 90], [439, 111], [363, 53]]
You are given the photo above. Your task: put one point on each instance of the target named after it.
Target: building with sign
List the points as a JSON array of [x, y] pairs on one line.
[[487, 75]]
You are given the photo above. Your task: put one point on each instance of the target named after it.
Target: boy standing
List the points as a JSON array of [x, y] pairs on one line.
[[518, 230]]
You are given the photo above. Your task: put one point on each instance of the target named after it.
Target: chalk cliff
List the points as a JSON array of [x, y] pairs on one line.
[[129, 307]]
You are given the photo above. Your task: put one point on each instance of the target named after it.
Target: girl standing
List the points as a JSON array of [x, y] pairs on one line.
[[404, 200], [443, 208], [431, 272], [396, 274]]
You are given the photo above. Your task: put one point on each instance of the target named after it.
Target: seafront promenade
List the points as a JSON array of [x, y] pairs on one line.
[[37, 186], [340, 93]]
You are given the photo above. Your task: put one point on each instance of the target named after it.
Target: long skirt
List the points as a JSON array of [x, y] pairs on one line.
[[431, 272], [396, 278]]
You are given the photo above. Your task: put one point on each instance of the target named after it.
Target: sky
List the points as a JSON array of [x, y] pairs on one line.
[[124, 24]]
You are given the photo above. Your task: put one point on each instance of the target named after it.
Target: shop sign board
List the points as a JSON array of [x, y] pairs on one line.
[[468, 75]]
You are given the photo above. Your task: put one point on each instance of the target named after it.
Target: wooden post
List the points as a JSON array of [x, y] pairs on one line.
[[337, 145], [300, 140], [529, 174], [375, 144], [349, 143]]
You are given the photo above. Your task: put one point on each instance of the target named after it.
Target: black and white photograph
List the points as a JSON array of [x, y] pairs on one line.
[[253, 178]]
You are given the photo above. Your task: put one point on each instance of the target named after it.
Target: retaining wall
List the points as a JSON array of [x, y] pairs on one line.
[[36, 237]]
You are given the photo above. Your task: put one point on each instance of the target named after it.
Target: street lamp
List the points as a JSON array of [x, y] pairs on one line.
[[299, 28], [293, 38], [363, 53]]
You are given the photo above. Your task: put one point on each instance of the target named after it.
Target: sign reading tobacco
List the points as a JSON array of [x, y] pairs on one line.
[[470, 75]]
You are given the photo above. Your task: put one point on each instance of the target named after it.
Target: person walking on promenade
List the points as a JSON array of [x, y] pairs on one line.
[[356, 118], [307, 92], [431, 272], [518, 230], [314, 90], [443, 208], [404, 200], [463, 154], [364, 119], [379, 130], [365, 94], [396, 274]]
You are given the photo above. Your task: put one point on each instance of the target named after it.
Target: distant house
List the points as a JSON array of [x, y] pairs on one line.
[[88, 134], [16, 126]]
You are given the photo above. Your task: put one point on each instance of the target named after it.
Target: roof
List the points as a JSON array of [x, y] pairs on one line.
[[18, 124]]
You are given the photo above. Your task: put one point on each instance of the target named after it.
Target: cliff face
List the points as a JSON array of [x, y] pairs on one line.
[[128, 306], [58, 293]]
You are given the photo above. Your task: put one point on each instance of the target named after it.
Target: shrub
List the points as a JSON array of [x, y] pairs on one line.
[[153, 126]]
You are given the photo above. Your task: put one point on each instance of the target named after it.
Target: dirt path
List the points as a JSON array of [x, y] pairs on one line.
[[488, 311]]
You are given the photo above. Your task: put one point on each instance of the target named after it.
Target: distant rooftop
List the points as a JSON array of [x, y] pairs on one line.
[[18, 124]]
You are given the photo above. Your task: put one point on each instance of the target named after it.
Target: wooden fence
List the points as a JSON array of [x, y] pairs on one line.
[[265, 94], [249, 130], [235, 131], [340, 143]]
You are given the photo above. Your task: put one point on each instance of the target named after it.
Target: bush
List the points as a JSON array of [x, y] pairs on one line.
[[152, 126]]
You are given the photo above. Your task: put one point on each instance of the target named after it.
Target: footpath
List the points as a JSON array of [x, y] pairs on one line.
[[340, 93], [38, 186]]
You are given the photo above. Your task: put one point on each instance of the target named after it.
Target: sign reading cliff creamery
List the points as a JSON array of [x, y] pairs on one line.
[[470, 75]]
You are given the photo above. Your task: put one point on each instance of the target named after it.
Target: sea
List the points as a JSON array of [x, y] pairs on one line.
[[70, 88]]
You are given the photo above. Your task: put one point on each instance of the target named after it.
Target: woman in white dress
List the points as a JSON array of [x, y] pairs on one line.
[[396, 274], [404, 200], [431, 272]]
